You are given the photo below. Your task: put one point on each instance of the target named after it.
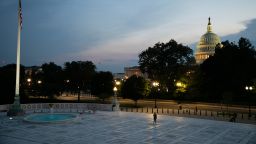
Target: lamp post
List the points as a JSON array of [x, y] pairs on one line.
[[115, 90], [118, 82], [29, 81], [249, 89], [155, 84], [39, 81], [78, 98], [115, 103]]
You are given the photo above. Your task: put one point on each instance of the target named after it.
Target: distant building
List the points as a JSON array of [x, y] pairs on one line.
[[206, 45], [119, 76], [33, 69], [135, 70]]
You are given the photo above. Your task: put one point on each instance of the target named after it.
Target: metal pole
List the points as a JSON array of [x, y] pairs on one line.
[[17, 85], [155, 101], [16, 108]]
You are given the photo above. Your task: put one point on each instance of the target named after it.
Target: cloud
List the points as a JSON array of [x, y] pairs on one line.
[[249, 32]]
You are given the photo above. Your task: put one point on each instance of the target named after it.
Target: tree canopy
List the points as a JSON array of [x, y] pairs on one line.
[[102, 85], [135, 88], [7, 83], [52, 80], [79, 74], [166, 62], [229, 70]]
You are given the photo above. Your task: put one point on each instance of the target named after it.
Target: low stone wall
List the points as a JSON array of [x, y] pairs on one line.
[[61, 107], [4, 108]]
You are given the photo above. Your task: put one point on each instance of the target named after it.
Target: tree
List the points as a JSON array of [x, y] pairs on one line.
[[7, 83], [79, 74], [166, 62], [229, 70], [52, 80], [102, 85], [135, 88]]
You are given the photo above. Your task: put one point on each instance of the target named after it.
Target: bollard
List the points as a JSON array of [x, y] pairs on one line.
[[189, 111], [156, 110], [200, 112], [162, 110], [211, 113], [147, 109], [137, 109], [152, 110], [178, 111], [168, 112]]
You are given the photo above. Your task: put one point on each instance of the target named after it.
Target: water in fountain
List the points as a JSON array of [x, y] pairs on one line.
[[51, 110]]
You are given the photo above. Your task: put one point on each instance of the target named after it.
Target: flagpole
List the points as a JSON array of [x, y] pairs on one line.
[[17, 86], [15, 109]]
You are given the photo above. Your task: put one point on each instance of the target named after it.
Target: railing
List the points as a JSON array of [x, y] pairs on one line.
[[61, 107], [207, 114]]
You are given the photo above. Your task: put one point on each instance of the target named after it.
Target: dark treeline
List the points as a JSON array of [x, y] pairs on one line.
[[51, 80], [225, 76]]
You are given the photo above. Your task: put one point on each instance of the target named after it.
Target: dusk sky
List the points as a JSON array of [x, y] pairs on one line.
[[111, 33]]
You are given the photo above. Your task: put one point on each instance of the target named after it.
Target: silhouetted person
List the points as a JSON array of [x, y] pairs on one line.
[[154, 117], [233, 119]]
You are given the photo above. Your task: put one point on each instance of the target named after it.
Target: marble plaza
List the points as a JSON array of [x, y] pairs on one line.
[[126, 128]]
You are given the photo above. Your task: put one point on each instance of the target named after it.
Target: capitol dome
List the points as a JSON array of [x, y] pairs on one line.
[[206, 45]]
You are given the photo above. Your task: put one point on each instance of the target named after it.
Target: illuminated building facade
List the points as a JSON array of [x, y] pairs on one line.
[[206, 45]]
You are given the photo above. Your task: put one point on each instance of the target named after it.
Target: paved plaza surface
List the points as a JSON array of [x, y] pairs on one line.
[[126, 128]]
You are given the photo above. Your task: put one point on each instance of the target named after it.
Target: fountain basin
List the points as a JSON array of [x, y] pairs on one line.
[[51, 118]]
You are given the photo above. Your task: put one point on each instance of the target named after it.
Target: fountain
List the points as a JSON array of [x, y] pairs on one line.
[[51, 117]]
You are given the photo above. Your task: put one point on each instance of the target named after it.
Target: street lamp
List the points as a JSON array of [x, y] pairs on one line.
[[115, 90], [249, 89], [155, 84], [118, 82], [115, 102], [39, 81], [29, 80]]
